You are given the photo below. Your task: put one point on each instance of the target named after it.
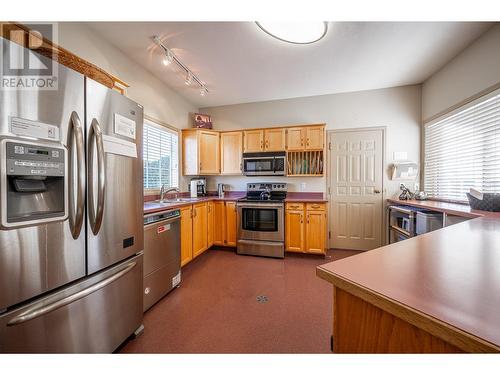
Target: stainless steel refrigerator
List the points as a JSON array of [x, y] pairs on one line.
[[71, 210]]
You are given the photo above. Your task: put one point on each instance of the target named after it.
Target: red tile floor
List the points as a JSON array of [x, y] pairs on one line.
[[215, 310]]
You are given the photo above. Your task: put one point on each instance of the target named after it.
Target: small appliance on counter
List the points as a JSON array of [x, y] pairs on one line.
[[220, 190], [198, 187], [261, 220]]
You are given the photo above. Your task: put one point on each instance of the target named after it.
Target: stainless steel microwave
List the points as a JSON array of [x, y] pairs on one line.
[[264, 163]]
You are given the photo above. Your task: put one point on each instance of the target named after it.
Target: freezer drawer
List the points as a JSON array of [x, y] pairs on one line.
[[92, 316]]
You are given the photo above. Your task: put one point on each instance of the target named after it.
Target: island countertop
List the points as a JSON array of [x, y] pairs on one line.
[[446, 281]]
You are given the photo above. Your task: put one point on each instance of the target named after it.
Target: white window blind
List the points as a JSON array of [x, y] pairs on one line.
[[462, 151], [161, 156]]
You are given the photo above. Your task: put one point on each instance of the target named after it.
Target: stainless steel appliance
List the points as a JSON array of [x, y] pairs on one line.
[[198, 187], [221, 190], [162, 255], [71, 235], [264, 163], [261, 220]]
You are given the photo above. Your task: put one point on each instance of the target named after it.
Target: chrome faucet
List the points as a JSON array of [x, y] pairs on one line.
[[164, 191]]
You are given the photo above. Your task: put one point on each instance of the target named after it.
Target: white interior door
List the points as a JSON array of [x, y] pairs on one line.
[[356, 201]]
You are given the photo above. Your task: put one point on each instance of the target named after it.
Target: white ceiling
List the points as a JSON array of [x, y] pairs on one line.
[[240, 63]]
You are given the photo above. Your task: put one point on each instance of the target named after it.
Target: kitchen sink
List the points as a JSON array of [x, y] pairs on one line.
[[176, 200]]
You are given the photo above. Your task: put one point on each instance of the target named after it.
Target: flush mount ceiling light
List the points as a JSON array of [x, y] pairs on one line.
[[295, 32], [171, 57]]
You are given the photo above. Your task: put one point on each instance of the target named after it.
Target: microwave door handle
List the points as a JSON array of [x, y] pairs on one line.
[[76, 135], [96, 215]]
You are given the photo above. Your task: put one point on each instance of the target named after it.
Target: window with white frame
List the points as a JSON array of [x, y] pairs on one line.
[[462, 150], [161, 156]]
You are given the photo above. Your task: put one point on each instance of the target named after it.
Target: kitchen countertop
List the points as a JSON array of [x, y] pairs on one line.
[[151, 206], [450, 208], [448, 278]]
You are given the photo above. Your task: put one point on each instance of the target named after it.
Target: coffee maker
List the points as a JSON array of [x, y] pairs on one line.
[[198, 187]]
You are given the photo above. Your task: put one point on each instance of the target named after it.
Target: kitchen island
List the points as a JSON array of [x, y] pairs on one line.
[[434, 293]]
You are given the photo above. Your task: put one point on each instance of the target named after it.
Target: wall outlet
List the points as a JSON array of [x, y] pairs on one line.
[[302, 186]]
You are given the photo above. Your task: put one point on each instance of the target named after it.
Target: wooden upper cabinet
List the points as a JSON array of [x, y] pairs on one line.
[[315, 137], [253, 140], [295, 139], [274, 139], [231, 149], [200, 152], [209, 152]]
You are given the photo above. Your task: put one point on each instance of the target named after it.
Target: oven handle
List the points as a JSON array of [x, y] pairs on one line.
[[259, 205]]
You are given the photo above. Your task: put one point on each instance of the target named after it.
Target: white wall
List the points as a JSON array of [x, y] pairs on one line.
[[398, 109], [158, 99], [475, 69]]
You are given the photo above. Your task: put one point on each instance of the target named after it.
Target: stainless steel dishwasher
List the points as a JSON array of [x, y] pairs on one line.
[[162, 255]]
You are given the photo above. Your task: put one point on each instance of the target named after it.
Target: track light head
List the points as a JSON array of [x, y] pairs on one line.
[[189, 78], [168, 58], [203, 91]]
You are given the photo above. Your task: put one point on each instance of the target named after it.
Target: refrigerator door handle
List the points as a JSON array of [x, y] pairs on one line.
[[76, 134], [95, 215], [40, 311]]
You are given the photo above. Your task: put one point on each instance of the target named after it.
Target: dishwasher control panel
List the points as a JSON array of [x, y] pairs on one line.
[[150, 219]]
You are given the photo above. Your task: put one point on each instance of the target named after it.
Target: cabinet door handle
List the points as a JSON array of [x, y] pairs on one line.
[[307, 143], [307, 219], [301, 219], [315, 206], [261, 144]]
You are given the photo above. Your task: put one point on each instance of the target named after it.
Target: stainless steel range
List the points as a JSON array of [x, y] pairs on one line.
[[261, 220]]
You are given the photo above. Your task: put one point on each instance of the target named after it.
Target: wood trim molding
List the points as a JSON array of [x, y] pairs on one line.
[[64, 57], [438, 328], [256, 129]]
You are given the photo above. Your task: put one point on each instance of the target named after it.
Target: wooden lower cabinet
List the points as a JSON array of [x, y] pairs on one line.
[[186, 235], [200, 228], [224, 223], [219, 233], [294, 229], [210, 223], [305, 228], [231, 224], [315, 232]]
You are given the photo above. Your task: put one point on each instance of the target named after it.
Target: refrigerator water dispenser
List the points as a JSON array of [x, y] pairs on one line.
[[34, 188]]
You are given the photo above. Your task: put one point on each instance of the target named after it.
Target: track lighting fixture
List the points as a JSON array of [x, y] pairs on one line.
[[171, 57], [189, 78], [168, 58]]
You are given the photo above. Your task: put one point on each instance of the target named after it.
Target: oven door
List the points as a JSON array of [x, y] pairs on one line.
[[261, 221]]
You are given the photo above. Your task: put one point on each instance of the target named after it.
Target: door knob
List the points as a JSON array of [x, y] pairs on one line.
[[376, 191]]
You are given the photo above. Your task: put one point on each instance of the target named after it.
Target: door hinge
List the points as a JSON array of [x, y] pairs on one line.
[[329, 145], [329, 235], [331, 343], [329, 191]]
